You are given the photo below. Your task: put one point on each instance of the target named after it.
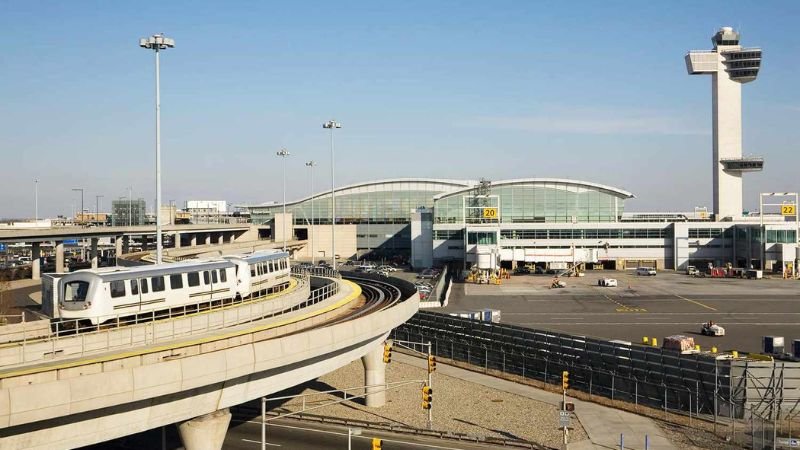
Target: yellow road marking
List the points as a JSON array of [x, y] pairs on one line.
[[353, 295], [623, 307], [696, 302]]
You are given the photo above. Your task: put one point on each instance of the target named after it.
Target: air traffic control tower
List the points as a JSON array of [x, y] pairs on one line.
[[729, 65]]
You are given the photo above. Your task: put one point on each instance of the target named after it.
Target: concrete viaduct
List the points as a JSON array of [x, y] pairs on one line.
[[71, 391]]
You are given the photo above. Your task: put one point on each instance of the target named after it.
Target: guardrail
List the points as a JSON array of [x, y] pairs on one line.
[[139, 333], [315, 271]]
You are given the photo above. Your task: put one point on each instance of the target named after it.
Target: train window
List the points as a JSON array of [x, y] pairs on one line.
[[158, 284], [271, 266], [76, 291], [223, 275], [214, 276], [176, 281], [193, 278], [143, 284], [134, 287], [206, 278], [117, 289], [252, 271]]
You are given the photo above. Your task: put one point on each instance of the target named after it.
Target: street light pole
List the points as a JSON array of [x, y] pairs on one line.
[[80, 189], [36, 200], [130, 206], [97, 207], [331, 125], [311, 165], [158, 42], [283, 154]]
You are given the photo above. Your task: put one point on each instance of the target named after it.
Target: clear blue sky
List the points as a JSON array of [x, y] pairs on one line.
[[594, 91]]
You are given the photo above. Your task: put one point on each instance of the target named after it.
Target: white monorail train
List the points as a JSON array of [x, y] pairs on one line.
[[98, 295]]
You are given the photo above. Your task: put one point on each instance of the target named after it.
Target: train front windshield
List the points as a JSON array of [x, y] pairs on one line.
[[76, 291]]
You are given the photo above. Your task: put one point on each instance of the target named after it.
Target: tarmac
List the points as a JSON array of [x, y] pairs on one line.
[[604, 425]]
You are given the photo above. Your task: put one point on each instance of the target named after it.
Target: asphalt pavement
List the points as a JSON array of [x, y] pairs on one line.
[[669, 303], [292, 434]]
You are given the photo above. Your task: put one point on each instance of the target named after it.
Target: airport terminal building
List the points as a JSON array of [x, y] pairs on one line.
[[541, 221]]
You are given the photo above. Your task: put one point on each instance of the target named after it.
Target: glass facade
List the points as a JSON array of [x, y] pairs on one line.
[[579, 233], [534, 201], [382, 202], [124, 212]]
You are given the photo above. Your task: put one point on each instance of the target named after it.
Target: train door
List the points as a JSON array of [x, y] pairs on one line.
[[143, 291], [136, 296]]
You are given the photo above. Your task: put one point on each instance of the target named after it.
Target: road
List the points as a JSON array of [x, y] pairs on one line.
[[293, 434], [670, 303]]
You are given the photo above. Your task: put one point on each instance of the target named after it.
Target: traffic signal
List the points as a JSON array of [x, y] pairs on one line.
[[565, 380], [387, 353], [377, 444], [427, 397], [431, 363]]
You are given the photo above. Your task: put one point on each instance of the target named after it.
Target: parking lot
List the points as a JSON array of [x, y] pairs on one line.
[[669, 303]]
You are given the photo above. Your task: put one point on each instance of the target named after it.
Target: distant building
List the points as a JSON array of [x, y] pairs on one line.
[[207, 211], [127, 213]]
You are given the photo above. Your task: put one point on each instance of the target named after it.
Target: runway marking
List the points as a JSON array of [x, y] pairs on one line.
[[623, 307], [259, 442], [695, 302]]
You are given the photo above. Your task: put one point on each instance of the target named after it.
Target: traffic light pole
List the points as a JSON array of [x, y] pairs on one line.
[[564, 408], [430, 384]]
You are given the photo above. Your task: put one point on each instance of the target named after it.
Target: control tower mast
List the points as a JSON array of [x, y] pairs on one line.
[[729, 65]]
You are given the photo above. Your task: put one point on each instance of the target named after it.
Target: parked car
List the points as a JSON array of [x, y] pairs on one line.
[[382, 273], [427, 274], [522, 270], [691, 270], [387, 268], [607, 282], [646, 271]]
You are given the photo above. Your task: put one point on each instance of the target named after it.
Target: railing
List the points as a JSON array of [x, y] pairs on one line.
[[315, 271], [150, 329]]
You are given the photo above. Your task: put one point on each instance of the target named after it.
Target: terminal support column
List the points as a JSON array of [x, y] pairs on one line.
[[126, 244], [193, 240], [36, 260], [59, 248], [208, 239], [221, 239], [93, 253], [205, 432], [176, 239], [375, 376]]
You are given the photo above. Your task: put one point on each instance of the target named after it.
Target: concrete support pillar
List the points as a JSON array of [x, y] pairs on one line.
[[206, 432], [221, 239], [126, 244], [118, 246], [208, 239], [36, 260], [93, 253], [177, 240], [59, 248], [193, 240], [232, 237], [375, 376]]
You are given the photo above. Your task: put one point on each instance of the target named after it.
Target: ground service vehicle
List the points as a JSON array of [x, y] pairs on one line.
[[607, 282], [646, 271], [711, 329]]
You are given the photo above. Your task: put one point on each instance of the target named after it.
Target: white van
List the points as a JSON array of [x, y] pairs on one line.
[[647, 271]]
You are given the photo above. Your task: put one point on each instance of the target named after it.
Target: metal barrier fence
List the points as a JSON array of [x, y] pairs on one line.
[[326, 272], [690, 384]]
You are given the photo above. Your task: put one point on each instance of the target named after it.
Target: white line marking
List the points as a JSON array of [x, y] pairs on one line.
[[259, 442], [272, 424]]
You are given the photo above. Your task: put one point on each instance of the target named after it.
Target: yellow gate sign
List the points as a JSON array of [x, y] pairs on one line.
[[489, 213], [786, 210]]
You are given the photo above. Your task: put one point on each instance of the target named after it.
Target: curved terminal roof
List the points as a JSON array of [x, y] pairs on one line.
[[582, 184], [376, 185]]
